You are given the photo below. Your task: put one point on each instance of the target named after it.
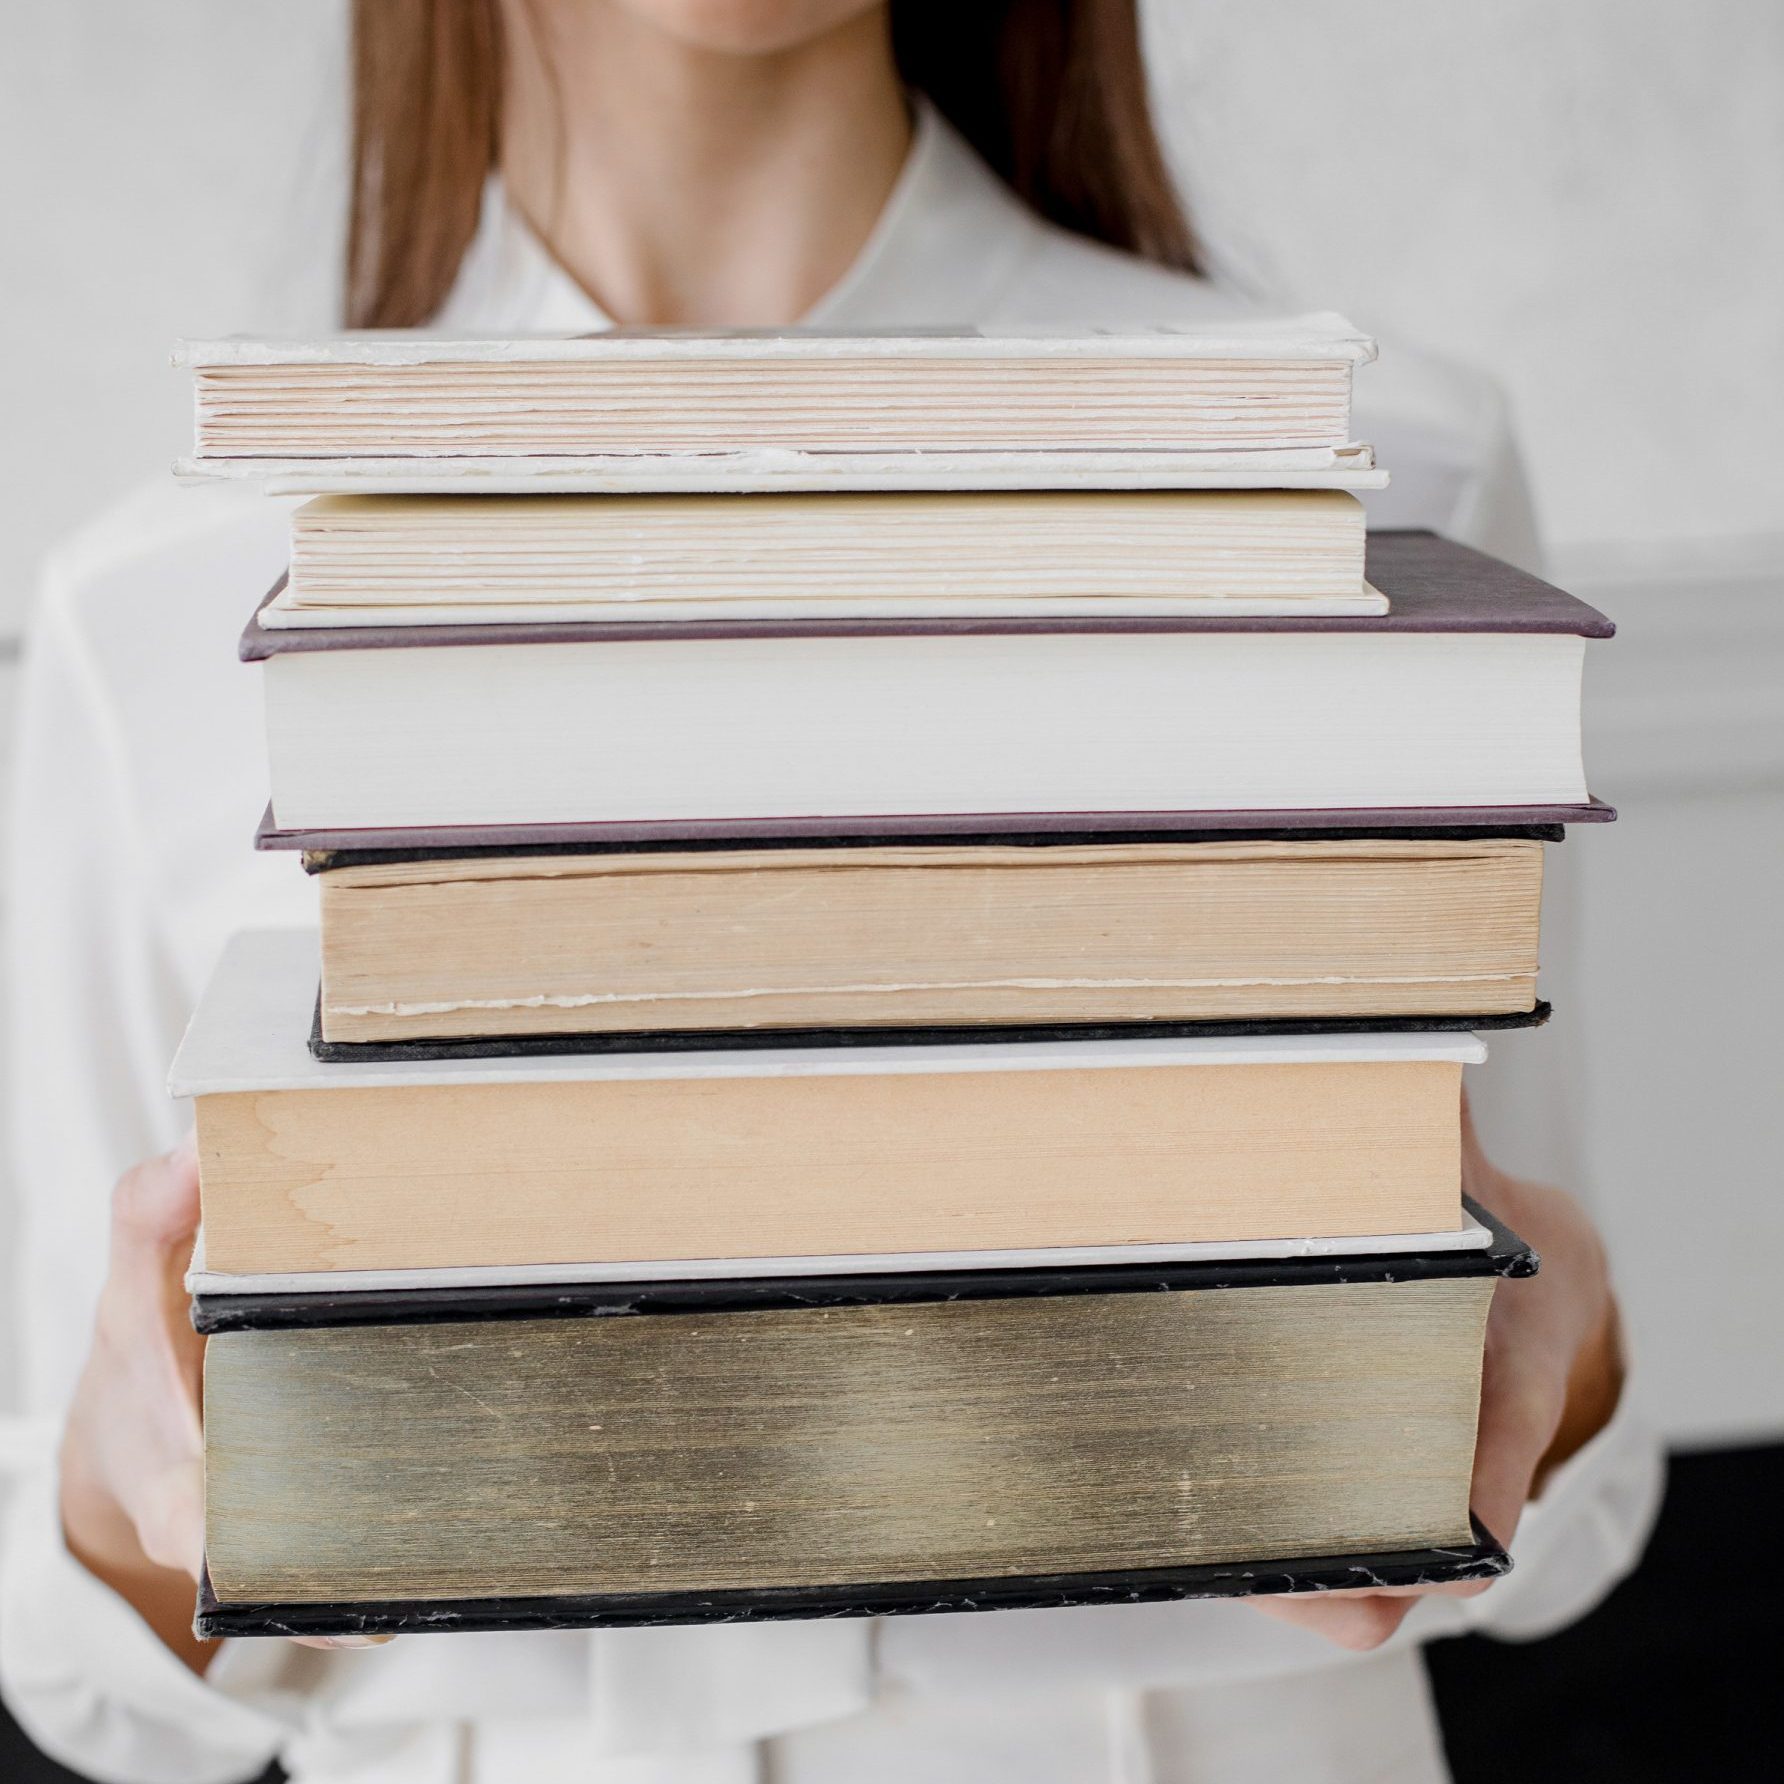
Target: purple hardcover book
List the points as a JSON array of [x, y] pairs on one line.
[[1459, 707]]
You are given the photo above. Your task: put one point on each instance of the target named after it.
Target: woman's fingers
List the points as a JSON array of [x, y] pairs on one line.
[[1551, 1375], [1523, 1390], [1522, 1396], [1356, 1620]]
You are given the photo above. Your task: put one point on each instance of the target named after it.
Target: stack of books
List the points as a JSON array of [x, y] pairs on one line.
[[901, 921]]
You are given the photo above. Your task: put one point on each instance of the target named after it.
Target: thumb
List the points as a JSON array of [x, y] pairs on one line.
[[143, 1325], [155, 1208], [168, 1512]]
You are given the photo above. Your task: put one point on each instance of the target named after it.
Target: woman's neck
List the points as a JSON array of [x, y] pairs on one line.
[[677, 184]]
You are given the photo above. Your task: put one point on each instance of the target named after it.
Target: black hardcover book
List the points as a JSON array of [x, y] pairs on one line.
[[604, 1455], [1481, 1558]]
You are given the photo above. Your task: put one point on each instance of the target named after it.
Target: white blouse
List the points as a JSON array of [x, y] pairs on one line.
[[140, 781]]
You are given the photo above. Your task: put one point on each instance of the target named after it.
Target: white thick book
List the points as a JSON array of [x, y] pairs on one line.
[[800, 1160], [457, 560], [765, 730], [1464, 696], [1258, 404]]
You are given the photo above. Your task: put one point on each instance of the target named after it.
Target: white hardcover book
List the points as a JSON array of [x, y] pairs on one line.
[[1464, 695], [781, 728]]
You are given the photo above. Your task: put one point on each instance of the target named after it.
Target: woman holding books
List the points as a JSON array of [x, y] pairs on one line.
[[528, 166]]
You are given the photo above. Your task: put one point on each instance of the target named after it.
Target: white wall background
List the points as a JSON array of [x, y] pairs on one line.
[[1587, 198]]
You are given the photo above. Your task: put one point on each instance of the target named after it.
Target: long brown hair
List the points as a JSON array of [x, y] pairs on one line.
[[1051, 92]]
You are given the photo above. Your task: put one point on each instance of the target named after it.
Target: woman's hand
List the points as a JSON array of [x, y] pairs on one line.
[[133, 1450], [1553, 1374], [132, 1474]]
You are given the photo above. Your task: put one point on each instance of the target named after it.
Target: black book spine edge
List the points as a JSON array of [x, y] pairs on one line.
[[1484, 1559], [327, 860], [1505, 1255], [732, 1040]]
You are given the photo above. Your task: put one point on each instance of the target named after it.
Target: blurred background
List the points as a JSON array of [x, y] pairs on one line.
[[1586, 201]]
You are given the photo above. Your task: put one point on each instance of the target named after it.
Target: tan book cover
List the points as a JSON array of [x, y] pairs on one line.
[[307, 1165]]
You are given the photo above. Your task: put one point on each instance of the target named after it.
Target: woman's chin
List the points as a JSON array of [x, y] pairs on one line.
[[747, 27]]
